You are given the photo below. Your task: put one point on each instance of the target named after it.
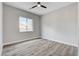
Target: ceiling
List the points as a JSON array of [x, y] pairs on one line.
[[51, 6]]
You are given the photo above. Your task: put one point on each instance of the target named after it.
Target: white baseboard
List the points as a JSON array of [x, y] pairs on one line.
[[0, 49], [19, 41], [39, 37], [64, 42]]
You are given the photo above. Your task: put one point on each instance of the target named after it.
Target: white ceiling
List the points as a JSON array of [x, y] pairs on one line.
[[51, 6]]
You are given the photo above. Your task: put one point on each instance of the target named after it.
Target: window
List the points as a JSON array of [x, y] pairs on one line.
[[25, 24]]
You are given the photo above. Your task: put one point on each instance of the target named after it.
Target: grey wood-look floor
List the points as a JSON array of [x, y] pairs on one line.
[[39, 47]]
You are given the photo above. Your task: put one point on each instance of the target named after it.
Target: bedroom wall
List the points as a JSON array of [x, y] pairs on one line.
[[78, 26], [11, 24], [61, 25], [1, 28]]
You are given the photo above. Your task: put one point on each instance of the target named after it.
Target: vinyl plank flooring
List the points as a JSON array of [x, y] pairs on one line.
[[39, 47]]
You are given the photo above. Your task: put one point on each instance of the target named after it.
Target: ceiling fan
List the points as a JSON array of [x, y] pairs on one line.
[[38, 5]]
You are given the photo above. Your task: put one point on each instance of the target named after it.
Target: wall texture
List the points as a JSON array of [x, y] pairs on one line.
[[78, 25], [11, 24], [0, 28], [61, 25]]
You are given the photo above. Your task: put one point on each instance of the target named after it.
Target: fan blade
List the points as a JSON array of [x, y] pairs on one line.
[[34, 6], [43, 6]]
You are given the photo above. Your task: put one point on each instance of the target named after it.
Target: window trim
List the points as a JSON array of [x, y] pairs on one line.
[[27, 25]]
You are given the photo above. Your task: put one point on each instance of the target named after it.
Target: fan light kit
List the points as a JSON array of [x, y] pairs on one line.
[[38, 5]]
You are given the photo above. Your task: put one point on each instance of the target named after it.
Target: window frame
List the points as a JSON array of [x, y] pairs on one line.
[[27, 30]]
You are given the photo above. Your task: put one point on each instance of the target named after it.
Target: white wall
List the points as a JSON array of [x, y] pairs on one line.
[[0, 28], [78, 25], [60, 25], [11, 25]]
